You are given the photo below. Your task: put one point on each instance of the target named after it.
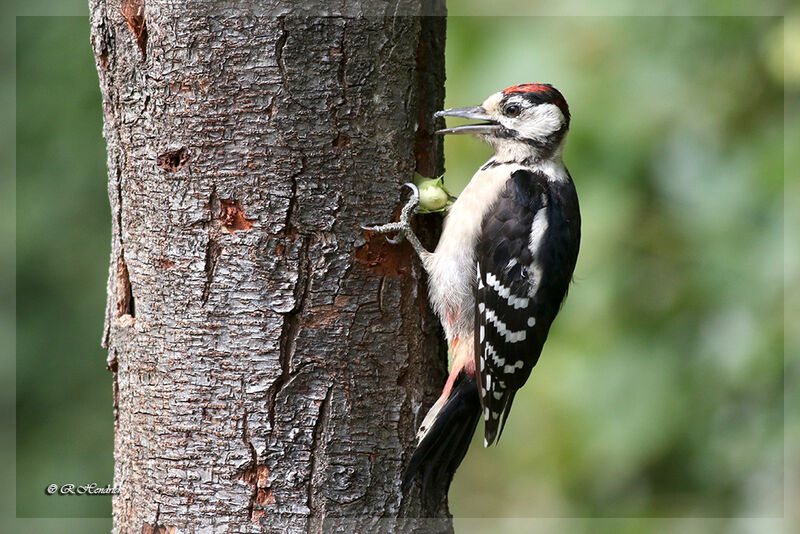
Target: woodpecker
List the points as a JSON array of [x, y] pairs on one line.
[[499, 273]]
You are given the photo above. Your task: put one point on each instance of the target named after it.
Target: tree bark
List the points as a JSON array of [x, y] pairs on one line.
[[271, 361]]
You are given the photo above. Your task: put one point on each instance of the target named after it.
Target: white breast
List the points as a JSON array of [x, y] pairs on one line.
[[451, 266]]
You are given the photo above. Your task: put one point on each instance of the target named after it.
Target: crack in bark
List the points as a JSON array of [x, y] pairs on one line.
[[314, 524], [289, 333], [213, 248], [111, 131], [340, 73], [251, 472], [254, 474], [291, 320], [381, 285], [288, 227], [119, 198], [113, 365], [124, 295], [279, 44], [213, 252], [125, 303]]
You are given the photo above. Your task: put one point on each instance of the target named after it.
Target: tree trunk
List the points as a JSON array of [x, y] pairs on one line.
[[271, 361]]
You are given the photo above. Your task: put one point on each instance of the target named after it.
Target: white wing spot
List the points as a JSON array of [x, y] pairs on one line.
[[511, 369], [481, 307], [531, 321], [510, 336], [497, 394], [495, 415], [505, 292], [486, 414], [483, 333], [489, 351], [489, 382]]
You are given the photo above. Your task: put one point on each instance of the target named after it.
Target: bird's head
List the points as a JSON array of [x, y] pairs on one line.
[[521, 121]]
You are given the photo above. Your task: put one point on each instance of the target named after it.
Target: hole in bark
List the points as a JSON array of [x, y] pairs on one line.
[[103, 58], [231, 215], [174, 160], [126, 304], [341, 141], [133, 13]]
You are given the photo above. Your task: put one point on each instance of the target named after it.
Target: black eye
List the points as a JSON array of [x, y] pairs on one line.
[[512, 110]]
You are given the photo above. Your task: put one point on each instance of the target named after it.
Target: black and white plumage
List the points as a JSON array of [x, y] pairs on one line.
[[500, 271], [524, 260]]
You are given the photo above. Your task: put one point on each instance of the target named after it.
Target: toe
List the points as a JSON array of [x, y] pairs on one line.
[[413, 187]]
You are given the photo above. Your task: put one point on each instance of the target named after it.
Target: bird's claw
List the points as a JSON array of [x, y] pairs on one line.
[[402, 227], [391, 228], [414, 189]]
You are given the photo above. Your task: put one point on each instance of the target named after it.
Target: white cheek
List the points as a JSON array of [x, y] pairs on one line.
[[546, 119]]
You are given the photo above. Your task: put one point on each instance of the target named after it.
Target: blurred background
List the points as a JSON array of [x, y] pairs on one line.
[[64, 399], [660, 393], [660, 390]]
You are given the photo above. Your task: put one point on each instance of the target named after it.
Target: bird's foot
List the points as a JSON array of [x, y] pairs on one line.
[[402, 228]]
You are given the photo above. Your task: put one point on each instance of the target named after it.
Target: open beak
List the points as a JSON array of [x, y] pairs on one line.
[[477, 113]]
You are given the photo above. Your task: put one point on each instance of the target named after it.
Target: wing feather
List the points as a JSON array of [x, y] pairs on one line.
[[509, 330]]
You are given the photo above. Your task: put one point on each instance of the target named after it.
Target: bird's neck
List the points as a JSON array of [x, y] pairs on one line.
[[526, 155], [529, 153]]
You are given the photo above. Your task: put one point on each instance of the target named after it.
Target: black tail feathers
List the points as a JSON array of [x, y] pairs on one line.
[[494, 426], [444, 446]]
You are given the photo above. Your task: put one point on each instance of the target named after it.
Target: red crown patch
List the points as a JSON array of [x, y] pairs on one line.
[[528, 88]]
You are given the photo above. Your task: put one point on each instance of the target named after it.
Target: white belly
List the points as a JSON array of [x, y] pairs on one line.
[[451, 267]]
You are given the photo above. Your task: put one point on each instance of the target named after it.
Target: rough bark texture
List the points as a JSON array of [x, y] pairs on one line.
[[271, 361]]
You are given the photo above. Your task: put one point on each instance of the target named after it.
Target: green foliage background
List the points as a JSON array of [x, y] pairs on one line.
[[661, 390]]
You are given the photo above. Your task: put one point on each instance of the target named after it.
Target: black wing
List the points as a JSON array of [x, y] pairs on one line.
[[510, 327]]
